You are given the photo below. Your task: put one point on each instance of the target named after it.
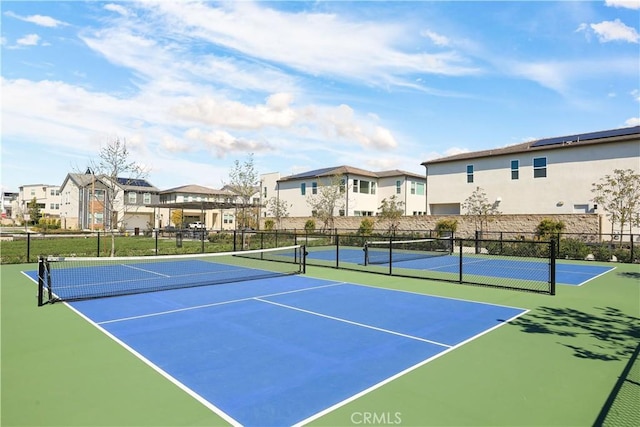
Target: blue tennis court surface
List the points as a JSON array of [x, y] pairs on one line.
[[566, 273], [280, 351]]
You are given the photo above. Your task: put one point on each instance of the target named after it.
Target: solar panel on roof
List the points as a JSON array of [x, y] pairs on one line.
[[587, 136], [133, 182]]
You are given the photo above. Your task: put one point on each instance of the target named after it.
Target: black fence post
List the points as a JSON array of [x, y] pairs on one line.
[[98, 243], [460, 261], [157, 232], [28, 247], [552, 268]]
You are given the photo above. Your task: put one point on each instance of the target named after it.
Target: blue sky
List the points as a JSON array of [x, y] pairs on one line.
[[194, 86]]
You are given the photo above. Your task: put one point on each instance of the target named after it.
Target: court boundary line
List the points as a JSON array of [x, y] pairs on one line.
[[213, 304], [403, 372], [207, 404], [586, 281], [351, 322]]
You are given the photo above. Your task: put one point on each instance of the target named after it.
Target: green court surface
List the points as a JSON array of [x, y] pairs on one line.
[[568, 362]]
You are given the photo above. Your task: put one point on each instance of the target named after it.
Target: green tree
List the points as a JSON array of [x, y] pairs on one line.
[[390, 212], [329, 197], [243, 182], [445, 227], [478, 206], [618, 194], [34, 212]]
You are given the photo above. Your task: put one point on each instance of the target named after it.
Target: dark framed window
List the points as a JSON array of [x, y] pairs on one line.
[[469, 173], [303, 188], [540, 167], [515, 169]]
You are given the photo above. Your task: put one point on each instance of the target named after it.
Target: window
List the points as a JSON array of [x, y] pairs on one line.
[[227, 218], [303, 188], [147, 198], [540, 167], [355, 186], [343, 185], [133, 197], [314, 188], [469, 173], [398, 187], [341, 212], [364, 187], [362, 213], [417, 188], [97, 195], [373, 188], [515, 169], [264, 192]]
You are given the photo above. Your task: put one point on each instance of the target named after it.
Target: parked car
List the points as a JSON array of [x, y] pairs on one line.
[[197, 225]]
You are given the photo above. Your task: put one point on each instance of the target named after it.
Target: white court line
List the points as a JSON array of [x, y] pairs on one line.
[[144, 270], [159, 370], [339, 319], [197, 307], [399, 374]]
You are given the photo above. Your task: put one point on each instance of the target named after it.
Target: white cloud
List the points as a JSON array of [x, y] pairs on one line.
[[221, 143], [43, 21], [636, 94], [119, 9], [314, 43], [436, 38], [634, 121], [629, 4], [28, 40], [609, 31]]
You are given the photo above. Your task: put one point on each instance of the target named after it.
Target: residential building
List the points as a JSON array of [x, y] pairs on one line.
[[546, 176], [362, 190], [46, 196], [214, 208], [95, 202], [7, 204]]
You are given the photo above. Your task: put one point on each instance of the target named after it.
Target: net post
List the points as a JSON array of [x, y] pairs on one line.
[[366, 253], [303, 255], [44, 280], [552, 267], [391, 255]]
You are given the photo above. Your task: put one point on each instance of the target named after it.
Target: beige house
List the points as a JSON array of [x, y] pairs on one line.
[[214, 209], [47, 198], [362, 190], [547, 176]]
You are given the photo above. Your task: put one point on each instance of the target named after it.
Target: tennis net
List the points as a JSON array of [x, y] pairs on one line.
[[69, 279], [388, 251]]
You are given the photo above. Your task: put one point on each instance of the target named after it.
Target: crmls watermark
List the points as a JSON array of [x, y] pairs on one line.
[[376, 418]]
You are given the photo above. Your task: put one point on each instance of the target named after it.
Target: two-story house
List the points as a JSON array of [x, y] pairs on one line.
[[96, 202], [546, 176], [362, 191], [46, 197]]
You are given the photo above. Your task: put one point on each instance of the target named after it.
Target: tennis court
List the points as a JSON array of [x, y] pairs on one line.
[[573, 274], [184, 357], [274, 350]]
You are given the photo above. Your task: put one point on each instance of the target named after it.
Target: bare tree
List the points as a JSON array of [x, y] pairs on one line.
[[278, 209], [114, 168], [619, 197], [478, 206], [329, 196], [244, 183], [390, 211]]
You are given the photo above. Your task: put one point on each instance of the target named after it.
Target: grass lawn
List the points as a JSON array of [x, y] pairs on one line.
[[567, 362]]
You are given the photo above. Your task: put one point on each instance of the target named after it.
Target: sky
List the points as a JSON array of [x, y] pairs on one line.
[[293, 86]]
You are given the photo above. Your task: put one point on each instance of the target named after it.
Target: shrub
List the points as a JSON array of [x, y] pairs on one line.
[[573, 249], [366, 227], [548, 228], [269, 224], [446, 226], [310, 226]]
